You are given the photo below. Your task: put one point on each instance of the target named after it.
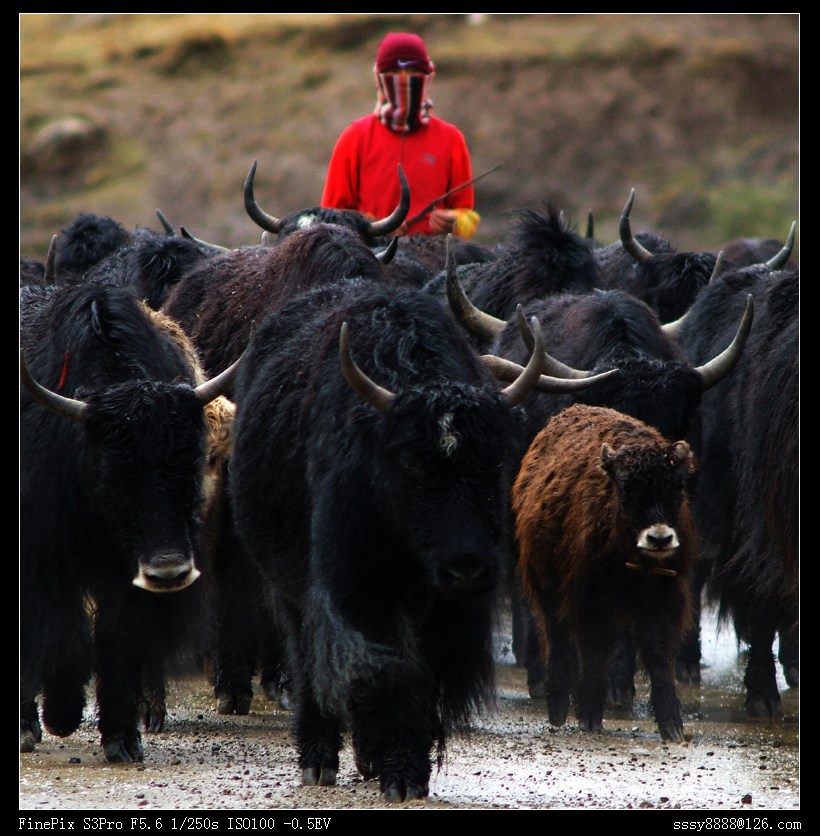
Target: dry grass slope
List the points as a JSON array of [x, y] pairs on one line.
[[125, 114]]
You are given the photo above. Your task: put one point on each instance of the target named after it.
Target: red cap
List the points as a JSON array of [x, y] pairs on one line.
[[399, 50]]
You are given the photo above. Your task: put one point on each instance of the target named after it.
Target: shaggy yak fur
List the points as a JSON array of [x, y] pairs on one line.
[[380, 528], [110, 512], [748, 500], [217, 301], [541, 255], [606, 542]]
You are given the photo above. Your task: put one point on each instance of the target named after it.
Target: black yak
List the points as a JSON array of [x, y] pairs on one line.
[[113, 446], [748, 498], [372, 492]]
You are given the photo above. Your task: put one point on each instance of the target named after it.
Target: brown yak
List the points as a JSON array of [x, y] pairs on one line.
[[607, 542]]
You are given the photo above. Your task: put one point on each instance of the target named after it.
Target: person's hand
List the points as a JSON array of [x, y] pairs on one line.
[[443, 221], [402, 230]]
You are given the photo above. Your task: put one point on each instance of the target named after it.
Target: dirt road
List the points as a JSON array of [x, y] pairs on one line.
[[513, 760]]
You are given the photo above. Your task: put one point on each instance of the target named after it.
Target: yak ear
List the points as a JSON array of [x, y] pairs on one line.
[[682, 454], [608, 456]]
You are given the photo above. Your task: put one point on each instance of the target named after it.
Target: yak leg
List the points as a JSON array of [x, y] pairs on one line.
[[274, 676], [62, 669], [65, 677], [234, 590], [64, 701], [687, 664], [596, 640], [393, 728], [153, 708], [536, 669], [31, 733], [560, 668], [526, 646], [119, 673], [658, 657], [521, 615], [620, 691], [762, 696], [318, 733], [318, 739]]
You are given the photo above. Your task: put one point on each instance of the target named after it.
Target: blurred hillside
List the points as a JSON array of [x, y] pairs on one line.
[[124, 114]]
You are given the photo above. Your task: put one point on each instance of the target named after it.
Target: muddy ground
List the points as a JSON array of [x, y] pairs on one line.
[[513, 759]]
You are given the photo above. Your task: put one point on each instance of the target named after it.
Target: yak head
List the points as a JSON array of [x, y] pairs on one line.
[[143, 446], [440, 457], [649, 482]]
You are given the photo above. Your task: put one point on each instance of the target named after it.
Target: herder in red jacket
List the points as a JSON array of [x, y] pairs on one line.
[[362, 174]]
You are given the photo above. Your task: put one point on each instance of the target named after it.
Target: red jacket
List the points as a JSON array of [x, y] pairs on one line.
[[363, 170]]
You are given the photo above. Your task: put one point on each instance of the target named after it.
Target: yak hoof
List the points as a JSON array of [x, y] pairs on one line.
[[31, 733], [277, 694], [63, 720], [673, 733], [28, 740], [230, 703], [327, 776], [687, 672], [397, 791], [153, 719], [758, 707], [557, 710], [537, 688], [125, 748], [324, 776], [392, 793], [367, 769], [621, 697], [115, 752]]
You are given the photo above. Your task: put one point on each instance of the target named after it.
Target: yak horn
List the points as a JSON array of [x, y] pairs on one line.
[[368, 390], [387, 254], [718, 367], [220, 384], [217, 247], [779, 260], [259, 216], [396, 218], [505, 369], [50, 273], [72, 408], [481, 324], [630, 244], [515, 393], [550, 365], [166, 225]]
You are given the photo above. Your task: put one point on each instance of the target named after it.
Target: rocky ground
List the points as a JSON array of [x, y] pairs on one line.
[[513, 759]]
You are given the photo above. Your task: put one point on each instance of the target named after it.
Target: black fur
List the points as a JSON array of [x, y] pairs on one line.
[[542, 255], [382, 548], [98, 502], [747, 506]]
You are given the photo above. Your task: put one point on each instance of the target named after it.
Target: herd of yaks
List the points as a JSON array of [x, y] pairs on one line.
[[362, 446]]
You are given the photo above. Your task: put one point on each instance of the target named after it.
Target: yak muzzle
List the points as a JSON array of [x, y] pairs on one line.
[[655, 544], [467, 574], [166, 573]]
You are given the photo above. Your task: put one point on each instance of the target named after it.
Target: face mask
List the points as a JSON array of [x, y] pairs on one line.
[[403, 105]]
